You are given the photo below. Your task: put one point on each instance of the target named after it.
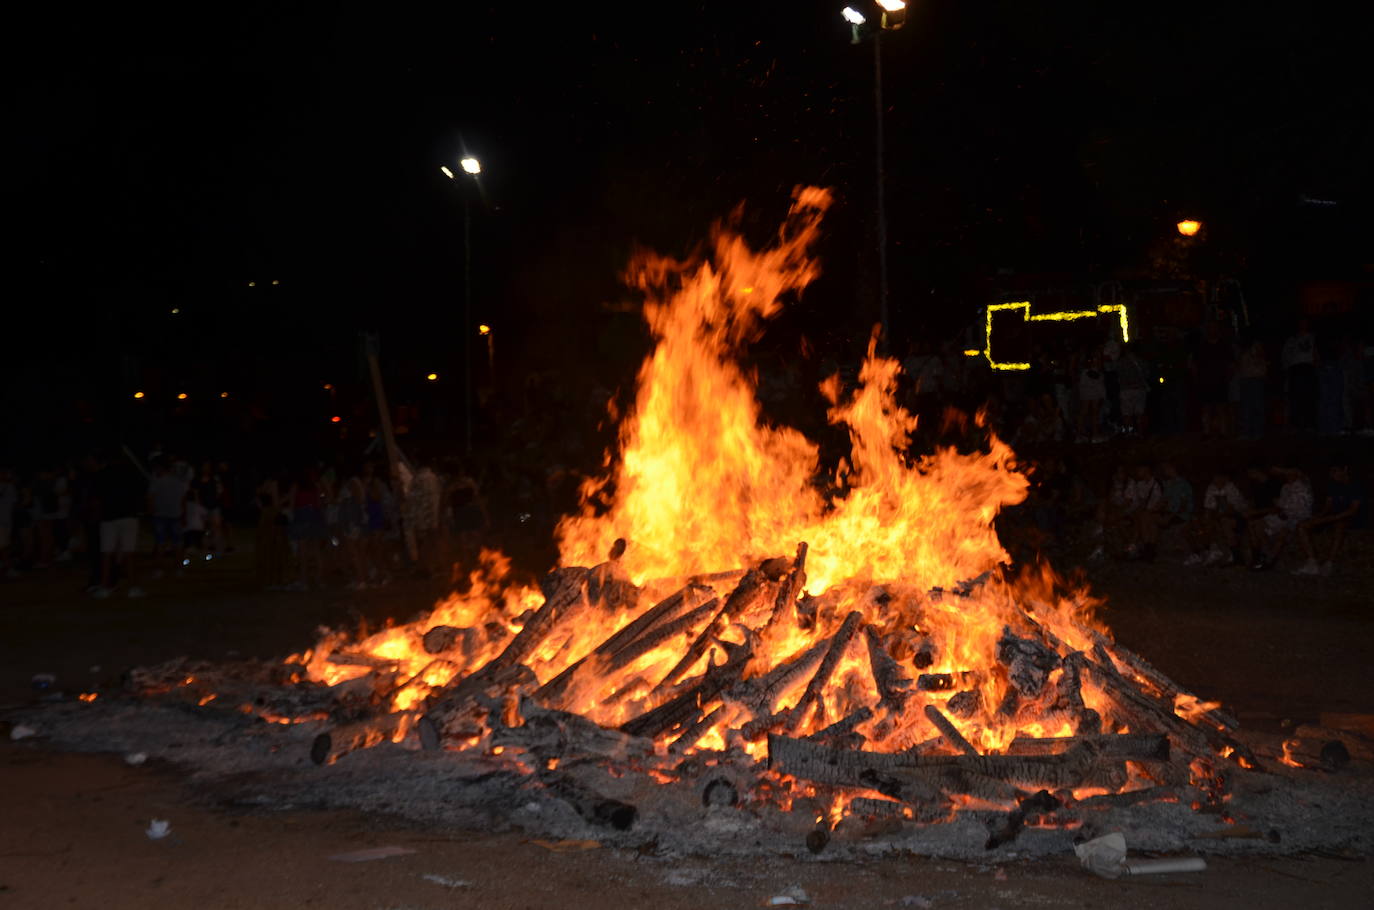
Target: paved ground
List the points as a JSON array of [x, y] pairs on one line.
[[1276, 648]]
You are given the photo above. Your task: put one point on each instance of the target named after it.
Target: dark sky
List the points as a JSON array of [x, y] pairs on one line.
[[159, 162]]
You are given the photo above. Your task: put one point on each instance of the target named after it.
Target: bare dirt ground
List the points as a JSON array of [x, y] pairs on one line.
[[1277, 649]]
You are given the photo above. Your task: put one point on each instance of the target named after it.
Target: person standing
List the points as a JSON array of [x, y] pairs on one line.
[[166, 494], [121, 491], [1300, 364]]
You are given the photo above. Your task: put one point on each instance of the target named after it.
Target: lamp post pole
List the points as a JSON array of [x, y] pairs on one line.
[[467, 322], [473, 168], [882, 195]]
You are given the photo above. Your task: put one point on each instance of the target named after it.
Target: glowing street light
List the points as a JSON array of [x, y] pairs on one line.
[[138, 394], [892, 6], [853, 16], [1189, 228], [473, 168], [223, 394], [336, 419], [182, 396], [471, 165], [433, 377], [484, 330]]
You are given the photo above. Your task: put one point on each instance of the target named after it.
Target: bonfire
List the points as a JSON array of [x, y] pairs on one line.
[[729, 613]]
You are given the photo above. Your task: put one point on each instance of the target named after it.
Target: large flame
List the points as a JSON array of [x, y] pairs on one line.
[[700, 482]]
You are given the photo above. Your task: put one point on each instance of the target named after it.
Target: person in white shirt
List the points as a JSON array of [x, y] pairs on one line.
[[1213, 533], [1144, 503], [1269, 535]]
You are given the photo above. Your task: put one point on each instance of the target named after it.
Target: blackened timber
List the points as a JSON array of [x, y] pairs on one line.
[[567, 591], [838, 644], [785, 603], [887, 673], [753, 585], [686, 597], [1133, 746], [948, 730], [656, 637], [685, 708], [843, 726]]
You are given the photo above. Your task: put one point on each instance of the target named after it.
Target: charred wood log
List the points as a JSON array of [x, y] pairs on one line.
[[839, 643], [877, 808], [945, 682], [966, 704], [1163, 685], [948, 730], [842, 727], [1005, 831], [1028, 662], [568, 589], [753, 586], [785, 602], [334, 744], [1133, 746], [887, 673], [762, 693], [685, 708], [546, 733]]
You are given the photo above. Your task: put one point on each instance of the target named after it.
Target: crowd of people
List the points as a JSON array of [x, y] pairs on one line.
[[1261, 518], [1217, 380]]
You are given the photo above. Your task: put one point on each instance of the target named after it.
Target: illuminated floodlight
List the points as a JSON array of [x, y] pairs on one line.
[[176, 310], [484, 330], [182, 396], [892, 6], [433, 377], [1189, 228], [853, 16], [471, 165], [138, 394], [447, 172]]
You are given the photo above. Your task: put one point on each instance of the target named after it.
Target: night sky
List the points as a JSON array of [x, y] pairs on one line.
[[160, 163]]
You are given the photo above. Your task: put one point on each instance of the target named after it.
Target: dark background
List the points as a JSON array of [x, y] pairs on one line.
[[166, 162]]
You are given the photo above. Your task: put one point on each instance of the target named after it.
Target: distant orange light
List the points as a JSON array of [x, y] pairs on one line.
[[329, 386], [182, 396], [1189, 228], [484, 330], [432, 377], [138, 394], [223, 394], [336, 419], [88, 696]]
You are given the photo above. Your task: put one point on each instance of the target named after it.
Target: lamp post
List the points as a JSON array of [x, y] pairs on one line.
[[473, 168], [856, 19]]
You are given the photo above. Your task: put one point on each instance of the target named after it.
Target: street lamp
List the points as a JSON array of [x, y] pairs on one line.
[[473, 168], [892, 15], [485, 331], [1188, 227]]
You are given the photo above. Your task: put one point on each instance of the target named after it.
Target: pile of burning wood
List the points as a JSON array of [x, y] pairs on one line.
[[861, 713]]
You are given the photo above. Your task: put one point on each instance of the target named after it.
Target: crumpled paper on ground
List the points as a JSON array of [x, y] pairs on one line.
[[1106, 856]]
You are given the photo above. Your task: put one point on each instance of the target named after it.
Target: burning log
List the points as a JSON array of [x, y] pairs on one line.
[[567, 589], [843, 728], [811, 698], [671, 607], [546, 733], [945, 682], [1134, 746], [1028, 662], [441, 638], [785, 603], [1041, 803], [761, 693], [966, 704], [685, 708], [845, 768], [332, 745], [696, 731], [753, 586], [887, 673], [948, 730], [877, 808], [656, 637], [1166, 687]]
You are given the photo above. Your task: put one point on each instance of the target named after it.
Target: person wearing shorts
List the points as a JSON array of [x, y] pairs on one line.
[[120, 490]]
